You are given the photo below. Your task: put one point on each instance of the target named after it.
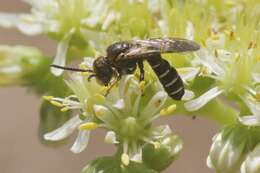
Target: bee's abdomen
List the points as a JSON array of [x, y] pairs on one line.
[[168, 76]]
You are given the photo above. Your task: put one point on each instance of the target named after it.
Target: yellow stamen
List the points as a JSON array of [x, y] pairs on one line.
[[156, 145], [48, 98], [88, 126], [65, 109], [125, 159], [55, 103], [168, 111], [258, 58]]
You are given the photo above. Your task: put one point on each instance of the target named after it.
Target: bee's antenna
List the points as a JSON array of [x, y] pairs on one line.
[[72, 69]]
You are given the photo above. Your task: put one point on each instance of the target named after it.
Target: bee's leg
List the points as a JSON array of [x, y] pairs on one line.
[[141, 68], [114, 82], [91, 76]]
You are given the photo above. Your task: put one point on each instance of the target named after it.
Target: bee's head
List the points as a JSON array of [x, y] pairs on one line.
[[103, 70]]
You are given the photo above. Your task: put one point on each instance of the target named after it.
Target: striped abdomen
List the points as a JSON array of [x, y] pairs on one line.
[[168, 76]]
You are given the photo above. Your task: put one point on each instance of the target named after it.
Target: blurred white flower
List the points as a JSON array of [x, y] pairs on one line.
[[252, 162]]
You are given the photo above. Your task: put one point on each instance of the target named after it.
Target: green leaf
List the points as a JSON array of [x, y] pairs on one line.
[[113, 165], [51, 118]]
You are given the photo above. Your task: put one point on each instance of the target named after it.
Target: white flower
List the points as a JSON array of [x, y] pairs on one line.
[[232, 72], [85, 95], [63, 18], [252, 162]]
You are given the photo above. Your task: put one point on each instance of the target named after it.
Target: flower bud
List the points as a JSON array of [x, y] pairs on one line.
[[252, 162], [226, 152]]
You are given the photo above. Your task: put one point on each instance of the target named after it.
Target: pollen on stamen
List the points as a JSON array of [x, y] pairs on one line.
[[168, 111], [88, 126]]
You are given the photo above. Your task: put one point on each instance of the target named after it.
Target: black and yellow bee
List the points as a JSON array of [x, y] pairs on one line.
[[123, 57]]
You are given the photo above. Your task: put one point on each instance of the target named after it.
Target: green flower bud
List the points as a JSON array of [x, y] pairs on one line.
[[160, 155], [252, 162], [227, 151], [113, 164]]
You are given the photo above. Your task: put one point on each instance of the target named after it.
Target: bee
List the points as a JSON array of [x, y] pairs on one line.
[[124, 57]]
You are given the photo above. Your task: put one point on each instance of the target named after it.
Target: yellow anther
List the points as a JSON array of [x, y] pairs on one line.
[[65, 109], [258, 58], [142, 85], [48, 98], [125, 159], [168, 111], [88, 126], [156, 145], [58, 104], [100, 97]]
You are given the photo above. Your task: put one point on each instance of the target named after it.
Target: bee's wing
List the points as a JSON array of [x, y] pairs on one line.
[[142, 48]]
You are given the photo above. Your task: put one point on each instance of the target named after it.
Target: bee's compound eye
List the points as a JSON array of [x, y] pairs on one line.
[[103, 70]]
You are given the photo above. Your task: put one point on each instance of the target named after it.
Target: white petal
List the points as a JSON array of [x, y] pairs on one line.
[[216, 43], [111, 17], [189, 31], [26, 23], [189, 73], [154, 104], [210, 62], [161, 131], [81, 142], [199, 102], [8, 20], [137, 157], [110, 138], [252, 120], [60, 57], [188, 95], [63, 131], [254, 106], [123, 85]]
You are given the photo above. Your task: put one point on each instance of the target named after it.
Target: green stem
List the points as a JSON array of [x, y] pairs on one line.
[[215, 110]]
